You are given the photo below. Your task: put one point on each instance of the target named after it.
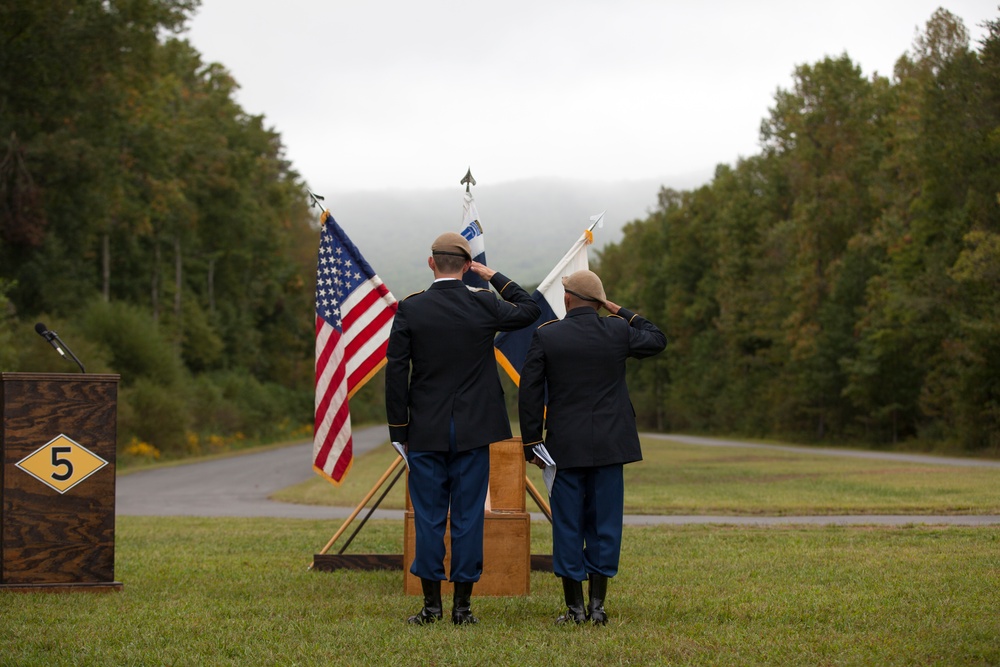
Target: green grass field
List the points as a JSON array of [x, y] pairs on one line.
[[677, 478], [239, 591]]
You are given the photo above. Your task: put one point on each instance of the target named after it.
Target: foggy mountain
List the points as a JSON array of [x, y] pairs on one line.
[[528, 225]]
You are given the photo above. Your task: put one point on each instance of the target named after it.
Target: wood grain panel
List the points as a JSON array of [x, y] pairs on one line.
[[47, 537]]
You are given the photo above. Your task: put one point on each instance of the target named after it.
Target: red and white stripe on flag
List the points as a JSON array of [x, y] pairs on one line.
[[354, 312]]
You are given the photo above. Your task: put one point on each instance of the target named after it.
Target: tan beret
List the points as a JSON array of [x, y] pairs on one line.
[[586, 285], [452, 243]]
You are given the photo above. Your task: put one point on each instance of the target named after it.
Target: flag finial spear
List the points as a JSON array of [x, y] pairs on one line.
[[315, 200], [598, 220], [468, 180]]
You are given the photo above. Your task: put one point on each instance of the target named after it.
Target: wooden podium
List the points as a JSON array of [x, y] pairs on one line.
[[506, 533], [57, 481]]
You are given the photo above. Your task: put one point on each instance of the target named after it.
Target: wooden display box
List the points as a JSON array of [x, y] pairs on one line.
[[57, 481], [506, 532]]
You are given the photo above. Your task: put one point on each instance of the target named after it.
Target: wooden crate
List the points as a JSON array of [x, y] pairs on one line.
[[506, 556]]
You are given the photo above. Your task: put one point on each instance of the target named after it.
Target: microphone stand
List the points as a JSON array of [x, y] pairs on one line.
[[56, 337]]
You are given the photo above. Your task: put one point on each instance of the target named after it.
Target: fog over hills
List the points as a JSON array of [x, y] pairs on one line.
[[529, 225]]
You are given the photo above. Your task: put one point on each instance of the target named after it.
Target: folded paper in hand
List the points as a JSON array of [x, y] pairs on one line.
[[398, 446], [549, 472]]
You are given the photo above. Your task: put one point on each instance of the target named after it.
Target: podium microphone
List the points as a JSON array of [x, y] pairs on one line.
[[49, 336], [57, 343]]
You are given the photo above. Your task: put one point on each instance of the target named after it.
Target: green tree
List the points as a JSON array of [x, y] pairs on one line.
[[935, 183], [135, 193], [825, 135], [839, 283], [66, 67], [7, 329]]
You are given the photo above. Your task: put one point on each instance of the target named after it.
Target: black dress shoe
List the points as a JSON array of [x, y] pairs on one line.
[[595, 607], [431, 612], [573, 594], [461, 611]]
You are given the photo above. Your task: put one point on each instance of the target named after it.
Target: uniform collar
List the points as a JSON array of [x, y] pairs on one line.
[[447, 283], [582, 311]]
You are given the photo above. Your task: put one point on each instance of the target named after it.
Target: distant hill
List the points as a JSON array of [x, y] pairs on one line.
[[529, 225]]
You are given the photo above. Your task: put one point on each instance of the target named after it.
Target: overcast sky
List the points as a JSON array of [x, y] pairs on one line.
[[369, 94]]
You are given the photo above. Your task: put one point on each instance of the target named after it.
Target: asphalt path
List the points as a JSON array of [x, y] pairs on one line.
[[239, 486], [236, 486]]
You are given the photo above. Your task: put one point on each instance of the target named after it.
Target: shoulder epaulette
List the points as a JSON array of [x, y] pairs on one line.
[[549, 322], [414, 294], [616, 315]]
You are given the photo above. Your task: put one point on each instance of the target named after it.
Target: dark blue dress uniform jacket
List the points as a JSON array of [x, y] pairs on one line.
[[441, 364], [590, 420]]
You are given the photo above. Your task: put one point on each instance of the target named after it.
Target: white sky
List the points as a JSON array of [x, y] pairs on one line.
[[370, 94]]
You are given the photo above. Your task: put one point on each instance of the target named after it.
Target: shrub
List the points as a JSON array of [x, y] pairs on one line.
[[155, 414], [137, 345], [236, 402]]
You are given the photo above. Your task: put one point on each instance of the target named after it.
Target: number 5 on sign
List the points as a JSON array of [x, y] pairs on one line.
[[61, 463]]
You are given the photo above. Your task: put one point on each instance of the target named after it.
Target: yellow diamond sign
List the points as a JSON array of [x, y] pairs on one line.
[[61, 463]]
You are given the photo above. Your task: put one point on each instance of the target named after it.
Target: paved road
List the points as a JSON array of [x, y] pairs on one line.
[[235, 486], [239, 486]]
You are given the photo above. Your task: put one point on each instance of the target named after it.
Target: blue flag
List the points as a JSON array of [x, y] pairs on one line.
[[511, 347]]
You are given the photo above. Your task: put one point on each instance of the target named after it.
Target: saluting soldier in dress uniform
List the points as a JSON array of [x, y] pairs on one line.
[[590, 432], [444, 402]]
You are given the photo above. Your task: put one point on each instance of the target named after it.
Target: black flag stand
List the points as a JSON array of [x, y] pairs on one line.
[[341, 561], [323, 561]]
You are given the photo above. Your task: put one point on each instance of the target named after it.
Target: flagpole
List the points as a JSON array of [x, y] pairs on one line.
[[371, 511], [537, 497]]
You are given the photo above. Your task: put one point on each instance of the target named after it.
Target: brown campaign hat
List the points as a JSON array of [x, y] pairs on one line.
[[586, 285], [452, 243]]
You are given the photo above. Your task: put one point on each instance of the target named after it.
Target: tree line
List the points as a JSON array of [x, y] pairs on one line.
[[153, 222], [844, 282]]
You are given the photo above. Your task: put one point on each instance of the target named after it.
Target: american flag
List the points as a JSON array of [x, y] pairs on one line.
[[354, 312]]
